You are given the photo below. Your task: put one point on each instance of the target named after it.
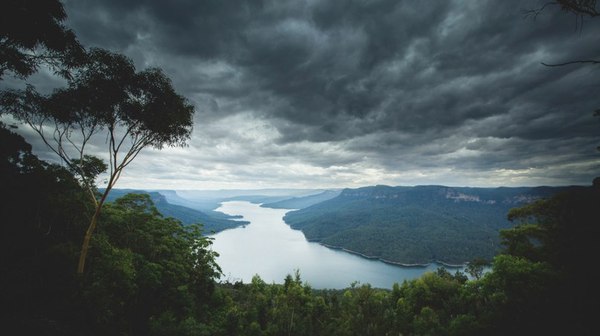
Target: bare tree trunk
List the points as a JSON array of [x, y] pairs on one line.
[[90, 230], [291, 323], [86, 241]]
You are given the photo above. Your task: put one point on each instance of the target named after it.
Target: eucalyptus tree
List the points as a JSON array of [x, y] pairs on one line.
[[105, 98]]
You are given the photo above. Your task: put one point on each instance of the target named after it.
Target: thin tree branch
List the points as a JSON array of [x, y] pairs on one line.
[[128, 132], [40, 130], [572, 62], [131, 156], [537, 11], [111, 148]]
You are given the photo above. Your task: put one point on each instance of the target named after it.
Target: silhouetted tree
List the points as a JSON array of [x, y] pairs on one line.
[[476, 266], [44, 211], [560, 232], [31, 34], [581, 9], [105, 97]]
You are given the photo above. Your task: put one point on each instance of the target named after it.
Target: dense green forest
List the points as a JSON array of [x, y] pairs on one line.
[[415, 225], [150, 275]]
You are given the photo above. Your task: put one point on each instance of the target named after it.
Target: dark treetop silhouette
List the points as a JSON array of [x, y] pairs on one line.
[[105, 97]]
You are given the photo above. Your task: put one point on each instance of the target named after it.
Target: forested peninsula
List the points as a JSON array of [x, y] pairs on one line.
[[416, 225]]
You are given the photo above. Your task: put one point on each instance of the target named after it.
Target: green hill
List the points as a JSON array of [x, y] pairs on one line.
[[415, 225]]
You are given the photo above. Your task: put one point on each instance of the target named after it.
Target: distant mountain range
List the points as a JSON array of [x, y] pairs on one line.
[[407, 225], [198, 206], [303, 202], [187, 215], [208, 200], [415, 225]]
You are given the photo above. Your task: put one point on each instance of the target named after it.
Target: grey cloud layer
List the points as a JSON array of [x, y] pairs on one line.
[[403, 84]]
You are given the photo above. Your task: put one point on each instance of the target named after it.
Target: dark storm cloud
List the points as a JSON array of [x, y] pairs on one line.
[[402, 84]]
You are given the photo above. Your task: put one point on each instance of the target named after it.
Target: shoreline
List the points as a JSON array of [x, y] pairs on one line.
[[242, 224], [390, 262]]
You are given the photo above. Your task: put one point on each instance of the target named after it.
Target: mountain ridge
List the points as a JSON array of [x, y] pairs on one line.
[[416, 225], [303, 201], [187, 215]]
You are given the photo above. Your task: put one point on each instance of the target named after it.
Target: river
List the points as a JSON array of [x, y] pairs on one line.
[[270, 248]]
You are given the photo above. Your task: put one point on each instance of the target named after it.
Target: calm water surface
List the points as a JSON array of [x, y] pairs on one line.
[[270, 248]]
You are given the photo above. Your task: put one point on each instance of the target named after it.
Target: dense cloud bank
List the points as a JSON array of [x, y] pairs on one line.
[[348, 93]]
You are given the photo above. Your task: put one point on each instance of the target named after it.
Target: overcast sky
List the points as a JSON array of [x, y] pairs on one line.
[[318, 94]]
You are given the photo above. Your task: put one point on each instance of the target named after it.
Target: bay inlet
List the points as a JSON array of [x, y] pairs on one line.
[[270, 248]]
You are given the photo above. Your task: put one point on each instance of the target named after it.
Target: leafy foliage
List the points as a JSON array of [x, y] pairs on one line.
[[105, 94], [525, 293], [32, 34], [144, 266]]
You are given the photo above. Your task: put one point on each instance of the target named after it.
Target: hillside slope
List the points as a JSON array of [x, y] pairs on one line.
[[415, 225], [186, 215], [303, 202]]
